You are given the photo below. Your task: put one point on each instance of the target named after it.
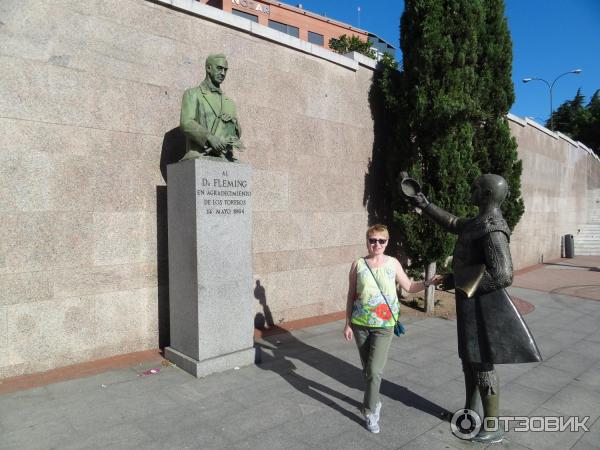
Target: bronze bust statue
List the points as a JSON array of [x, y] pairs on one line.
[[490, 329], [208, 117]]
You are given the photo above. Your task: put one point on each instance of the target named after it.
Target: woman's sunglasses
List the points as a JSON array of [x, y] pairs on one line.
[[375, 241]]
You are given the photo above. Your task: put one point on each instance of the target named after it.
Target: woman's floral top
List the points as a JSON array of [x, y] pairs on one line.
[[369, 307]]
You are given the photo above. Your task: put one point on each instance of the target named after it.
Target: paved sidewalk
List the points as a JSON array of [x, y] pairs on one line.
[[305, 392]]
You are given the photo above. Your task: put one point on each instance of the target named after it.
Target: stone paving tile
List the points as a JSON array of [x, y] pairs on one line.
[[586, 348], [590, 439], [589, 379], [547, 345], [435, 374], [92, 383], [325, 328], [571, 337], [29, 415], [271, 439], [508, 444], [545, 379], [356, 439], [594, 337], [509, 372], [346, 407], [215, 383], [571, 362], [443, 432], [589, 323], [450, 396], [539, 314], [548, 439], [575, 401], [259, 391], [427, 441], [255, 419], [519, 400], [211, 410], [187, 438], [38, 435], [316, 425], [415, 338], [422, 357], [25, 397], [398, 400], [122, 437], [439, 331]]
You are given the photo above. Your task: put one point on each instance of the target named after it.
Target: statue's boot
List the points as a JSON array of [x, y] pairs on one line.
[[471, 390], [489, 390]]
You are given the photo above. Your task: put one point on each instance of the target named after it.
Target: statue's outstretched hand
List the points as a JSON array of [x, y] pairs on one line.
[[419, 200], [448, 282]]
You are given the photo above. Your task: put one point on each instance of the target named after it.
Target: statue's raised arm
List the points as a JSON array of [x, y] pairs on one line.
[[412, 190]]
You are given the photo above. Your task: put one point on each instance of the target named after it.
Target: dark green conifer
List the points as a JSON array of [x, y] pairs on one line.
[[456, 93], [495, 147]]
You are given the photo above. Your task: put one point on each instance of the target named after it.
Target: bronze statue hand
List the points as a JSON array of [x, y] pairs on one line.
[[419, 200], [436, 280], [448, 282], [225, 117], [216, 143]]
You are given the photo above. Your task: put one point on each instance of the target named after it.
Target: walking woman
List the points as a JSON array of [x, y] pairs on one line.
[[372, 286]]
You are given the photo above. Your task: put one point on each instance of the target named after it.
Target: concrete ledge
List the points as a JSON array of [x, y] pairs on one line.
[[212, 365], [556, 135], [568, 139], [216, 15], [362, 59], [516, 119]]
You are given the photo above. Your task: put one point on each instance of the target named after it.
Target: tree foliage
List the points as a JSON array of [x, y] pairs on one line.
[[495, 147], [578, 121], [451, 103], [345, 44]]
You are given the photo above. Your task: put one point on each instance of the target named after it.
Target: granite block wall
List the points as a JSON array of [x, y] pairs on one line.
[[557, 175], [90, 95]]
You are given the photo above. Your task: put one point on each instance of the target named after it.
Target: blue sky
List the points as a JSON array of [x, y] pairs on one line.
[[550, 37]]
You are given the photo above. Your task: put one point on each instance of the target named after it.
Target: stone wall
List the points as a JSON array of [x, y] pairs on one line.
[[90, 95], [557, 175]]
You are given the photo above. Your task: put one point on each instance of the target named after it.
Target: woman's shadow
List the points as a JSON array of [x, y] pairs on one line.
[[278, 346]]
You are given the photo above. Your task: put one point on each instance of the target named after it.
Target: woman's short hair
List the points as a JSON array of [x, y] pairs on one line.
[[378, 228]]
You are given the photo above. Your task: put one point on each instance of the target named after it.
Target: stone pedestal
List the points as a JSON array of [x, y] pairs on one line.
[[210, 265]]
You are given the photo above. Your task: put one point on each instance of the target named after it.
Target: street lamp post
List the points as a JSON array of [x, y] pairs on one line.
[[550, 87]]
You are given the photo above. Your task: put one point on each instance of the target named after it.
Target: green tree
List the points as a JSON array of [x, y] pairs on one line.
[[590, 136], [345, 44], [580, 122], [439, 57], [456, 93], [571, 118], [495, 147]]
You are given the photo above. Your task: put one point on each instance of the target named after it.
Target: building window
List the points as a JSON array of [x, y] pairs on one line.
[[284, 28], [245, 15], [316, 38]]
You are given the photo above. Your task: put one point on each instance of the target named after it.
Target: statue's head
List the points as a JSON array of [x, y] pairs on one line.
[[489, 189], [216, 68]]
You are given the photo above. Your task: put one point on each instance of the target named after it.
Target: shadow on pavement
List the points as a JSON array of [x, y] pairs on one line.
[[282, 347]]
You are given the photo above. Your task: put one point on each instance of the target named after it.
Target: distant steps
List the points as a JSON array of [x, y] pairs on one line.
[[587, 241]]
